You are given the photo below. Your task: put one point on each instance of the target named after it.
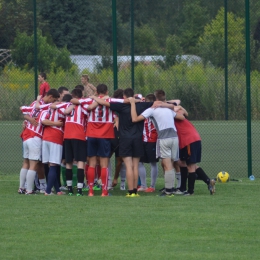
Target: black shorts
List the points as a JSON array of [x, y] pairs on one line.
[[99, 147], [131, 147], [191, 153], [149, 153], [75, 150]]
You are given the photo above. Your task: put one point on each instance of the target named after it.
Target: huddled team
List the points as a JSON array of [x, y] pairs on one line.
[[85, 127]]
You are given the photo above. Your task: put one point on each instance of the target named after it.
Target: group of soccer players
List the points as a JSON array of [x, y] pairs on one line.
[[88, 130]]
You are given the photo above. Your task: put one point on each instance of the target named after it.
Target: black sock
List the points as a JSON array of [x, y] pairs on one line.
[[80, 175], [135, 191], [191, 182], [184, 175], [202, 175], [79, 190], [46, 171], [168, 190], [58, 175], [130, 191]]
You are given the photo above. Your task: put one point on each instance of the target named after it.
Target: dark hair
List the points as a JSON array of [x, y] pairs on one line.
[[102, 89], [76, 92], [61, 89], [160, 95], [43, 74], [81, 87], [150, 97], [128, 92], [67, 98], [118, 93], [53, 92]]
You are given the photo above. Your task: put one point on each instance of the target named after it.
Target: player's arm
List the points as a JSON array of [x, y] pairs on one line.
[[32, 120], [181, 110], [135, 117], [100, 101], [48, 122], [92, 106], [179, 116], [37, 103], [69, 109], [175, 102]]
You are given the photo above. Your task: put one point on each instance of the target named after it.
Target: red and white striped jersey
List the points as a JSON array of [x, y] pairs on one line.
[[31, 130], [75, 122], [149, 133], [53, 134], [101, 121]]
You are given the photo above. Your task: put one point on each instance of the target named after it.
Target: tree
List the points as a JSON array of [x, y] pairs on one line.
[[211, 44], [49, 56]]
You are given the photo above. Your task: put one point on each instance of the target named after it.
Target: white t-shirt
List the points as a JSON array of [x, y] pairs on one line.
[[163, 119]]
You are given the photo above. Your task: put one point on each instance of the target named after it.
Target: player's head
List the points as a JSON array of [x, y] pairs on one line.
[[128, 92], [118, 93], [160, 95], [102, 89], [150, 98], [84, 79], [66, 98], [63, 91], [81, 87], [42, 77], [76, 93], [51, 96]]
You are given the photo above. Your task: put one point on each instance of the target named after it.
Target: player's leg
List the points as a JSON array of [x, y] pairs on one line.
[[142, 175], [24, 169], [69, 163]]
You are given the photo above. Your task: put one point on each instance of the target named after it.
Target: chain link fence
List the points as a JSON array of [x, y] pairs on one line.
[[194, 50]]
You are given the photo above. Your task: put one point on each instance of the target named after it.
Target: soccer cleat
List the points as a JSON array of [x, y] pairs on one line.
[[48, 194], [211, 186], [63, 188], [164, 194], [90, 193], [162, 189], [141, 188], [61, 193], [178, 192], [79, 194], [186, 193], [21, 191], [30, 193], [105, 194], [133, 195], [70, 194], [150, 189], [97, 187], [137, 195]]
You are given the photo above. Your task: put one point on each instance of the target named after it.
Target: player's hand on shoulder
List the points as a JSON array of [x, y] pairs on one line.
[[39, 97], [157, 104]]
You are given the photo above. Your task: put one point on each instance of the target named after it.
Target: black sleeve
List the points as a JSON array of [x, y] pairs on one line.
[[115, 106]]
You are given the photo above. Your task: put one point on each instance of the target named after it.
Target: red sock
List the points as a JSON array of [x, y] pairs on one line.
[[104, 179], [98, 171], [86, 172], [91, 177]]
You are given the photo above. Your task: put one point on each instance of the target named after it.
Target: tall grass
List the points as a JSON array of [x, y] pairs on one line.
[[200, 88]]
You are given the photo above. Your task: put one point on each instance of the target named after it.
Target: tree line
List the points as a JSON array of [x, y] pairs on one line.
[[165, 27]]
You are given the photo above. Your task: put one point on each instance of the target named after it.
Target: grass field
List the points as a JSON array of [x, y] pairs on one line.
[[224, 147], [222, 226]]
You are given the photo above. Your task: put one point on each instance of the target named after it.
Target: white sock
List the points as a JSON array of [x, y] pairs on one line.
[[169, 179], [79, 185], [154, 173], [122, 173], [178, 178], [23, 174], [110, 177], [30, 180], [142, 174]]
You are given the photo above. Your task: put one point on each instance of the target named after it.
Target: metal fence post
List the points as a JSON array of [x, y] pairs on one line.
[[114, 45], [248, 89], [132, 46], [35, 50], [226, 60]]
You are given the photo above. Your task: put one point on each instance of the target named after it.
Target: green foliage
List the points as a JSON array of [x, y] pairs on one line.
[[211, 44], [145, 41], [49, 57], [173, 50]]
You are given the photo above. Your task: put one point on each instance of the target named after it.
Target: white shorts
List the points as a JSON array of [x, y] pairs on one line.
[[32, 149], [51, 152], [168, 148]]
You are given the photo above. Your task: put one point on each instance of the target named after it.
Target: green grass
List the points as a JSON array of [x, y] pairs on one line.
[[224, 147], [222, 226]]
